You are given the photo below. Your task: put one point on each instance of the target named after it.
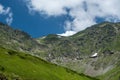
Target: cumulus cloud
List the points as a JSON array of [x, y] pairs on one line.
[[51, 7], [83, 12], [6, 12]]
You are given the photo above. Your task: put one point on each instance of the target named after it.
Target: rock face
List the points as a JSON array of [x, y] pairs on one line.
[[73, 52]]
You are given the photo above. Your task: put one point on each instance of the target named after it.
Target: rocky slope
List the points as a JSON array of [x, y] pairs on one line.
[[94, 51], [18, 40], [76, 52], [21, 66]]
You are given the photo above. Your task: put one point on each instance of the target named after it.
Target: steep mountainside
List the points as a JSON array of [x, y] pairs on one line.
[[94, 51], [18, 40], [98, 38], [76, 52], [20, 66]]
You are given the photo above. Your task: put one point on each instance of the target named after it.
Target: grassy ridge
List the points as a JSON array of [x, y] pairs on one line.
[[16, 65]]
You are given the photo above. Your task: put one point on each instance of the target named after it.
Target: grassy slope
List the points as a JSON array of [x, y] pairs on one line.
[[23, 66]]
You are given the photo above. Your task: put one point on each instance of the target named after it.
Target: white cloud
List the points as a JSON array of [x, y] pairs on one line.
[[1, 9], [83, 12], [6, 12], [68, 33], [9, 19], [51, 7]]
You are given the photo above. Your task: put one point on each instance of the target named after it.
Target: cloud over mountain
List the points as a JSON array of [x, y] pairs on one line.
[[84, 12]]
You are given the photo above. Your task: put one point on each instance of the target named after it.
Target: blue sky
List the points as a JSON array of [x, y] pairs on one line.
[[34, 24], [66, 17]]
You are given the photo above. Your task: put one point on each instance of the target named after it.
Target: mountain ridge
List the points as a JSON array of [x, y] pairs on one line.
[[73, 52]]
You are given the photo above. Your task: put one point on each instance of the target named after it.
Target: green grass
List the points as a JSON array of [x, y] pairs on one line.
[[17, 65]]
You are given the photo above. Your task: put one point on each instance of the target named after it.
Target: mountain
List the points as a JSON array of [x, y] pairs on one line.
[[75, 52], [18, 61], [94, 51], [21, 66], [98, 38], [18, 40]]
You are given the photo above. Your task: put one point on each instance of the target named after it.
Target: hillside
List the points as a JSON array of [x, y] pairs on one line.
[[20, 66], [97, 38], [75, 51], [18, 40]]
